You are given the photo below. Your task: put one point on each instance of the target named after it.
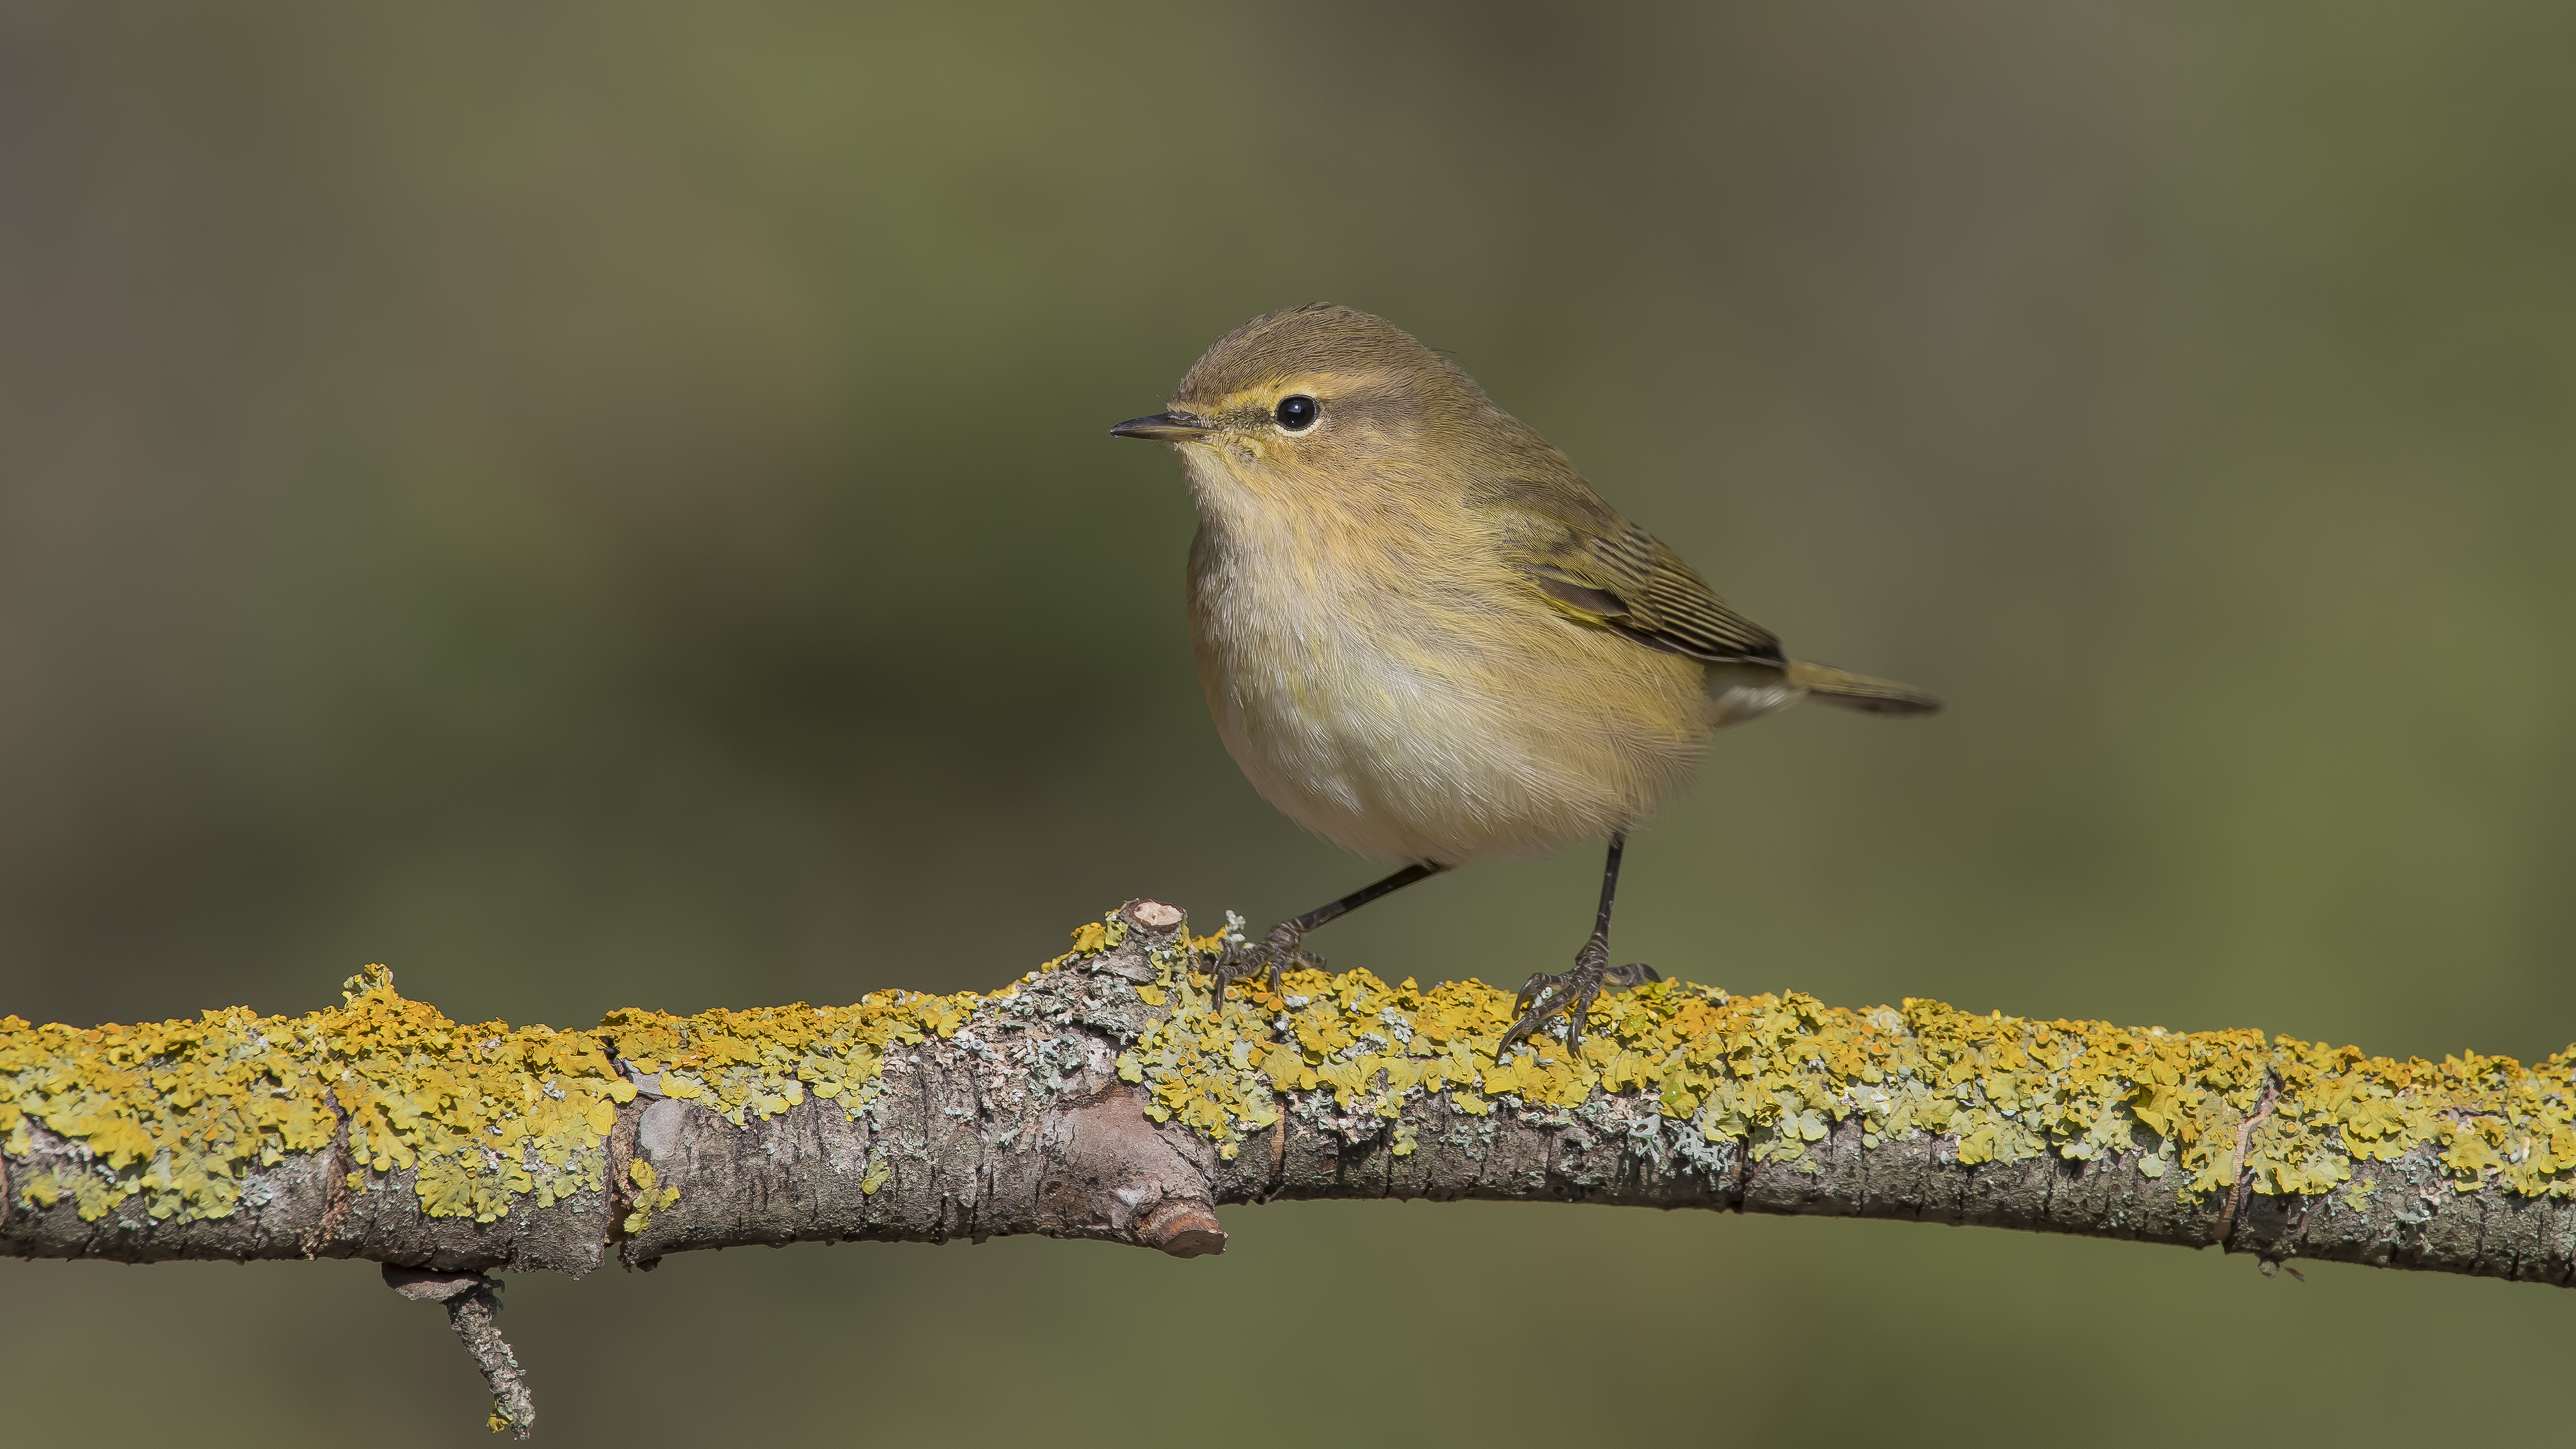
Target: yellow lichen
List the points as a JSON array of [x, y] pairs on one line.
[[1774, 1073], [1090, 939], [174, 1112], [650, 1196]]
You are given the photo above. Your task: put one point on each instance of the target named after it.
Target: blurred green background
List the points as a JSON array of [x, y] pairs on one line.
[[610, 505]]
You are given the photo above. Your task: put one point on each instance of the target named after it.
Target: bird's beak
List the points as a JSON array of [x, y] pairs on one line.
[[1163, 428]]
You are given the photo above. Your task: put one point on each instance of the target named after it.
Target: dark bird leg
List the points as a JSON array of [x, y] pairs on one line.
[[1544, 995], [1274, 952]]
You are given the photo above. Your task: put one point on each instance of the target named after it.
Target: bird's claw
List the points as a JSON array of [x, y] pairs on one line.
[[1571, 992], [1268, 956]]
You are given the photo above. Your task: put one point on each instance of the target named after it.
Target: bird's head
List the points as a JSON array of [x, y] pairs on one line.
[[1323, 403]]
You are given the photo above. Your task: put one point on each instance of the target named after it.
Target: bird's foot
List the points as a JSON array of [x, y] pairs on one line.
[[1268, 956], [1571, 992]]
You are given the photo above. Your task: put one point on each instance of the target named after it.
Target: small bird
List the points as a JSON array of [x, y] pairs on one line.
[[1427, 639]]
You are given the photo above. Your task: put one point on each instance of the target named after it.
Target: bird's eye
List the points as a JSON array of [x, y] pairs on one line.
[[1297, 414]]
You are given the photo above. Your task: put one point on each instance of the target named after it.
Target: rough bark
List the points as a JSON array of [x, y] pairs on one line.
[[1035, 1111]]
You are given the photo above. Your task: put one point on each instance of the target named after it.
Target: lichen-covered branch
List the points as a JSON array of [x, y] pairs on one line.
[[1106, 1096]]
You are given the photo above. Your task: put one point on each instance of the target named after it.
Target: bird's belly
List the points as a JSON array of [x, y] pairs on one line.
[[1447, 750]]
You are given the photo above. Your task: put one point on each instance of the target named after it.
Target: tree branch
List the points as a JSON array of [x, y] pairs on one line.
[[1104, 1096]]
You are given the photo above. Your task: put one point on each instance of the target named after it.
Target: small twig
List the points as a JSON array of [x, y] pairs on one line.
[[335, 1191], [2244, 1139], [473, 1310], [621, 1187]]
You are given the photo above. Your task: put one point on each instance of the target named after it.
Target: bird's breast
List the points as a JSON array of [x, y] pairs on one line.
[[1414, 706]]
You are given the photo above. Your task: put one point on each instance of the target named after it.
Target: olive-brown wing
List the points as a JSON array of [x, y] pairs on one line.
[[1620, 577]]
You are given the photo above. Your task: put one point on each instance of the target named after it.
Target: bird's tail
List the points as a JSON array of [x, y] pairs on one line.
[[1859, 691]]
